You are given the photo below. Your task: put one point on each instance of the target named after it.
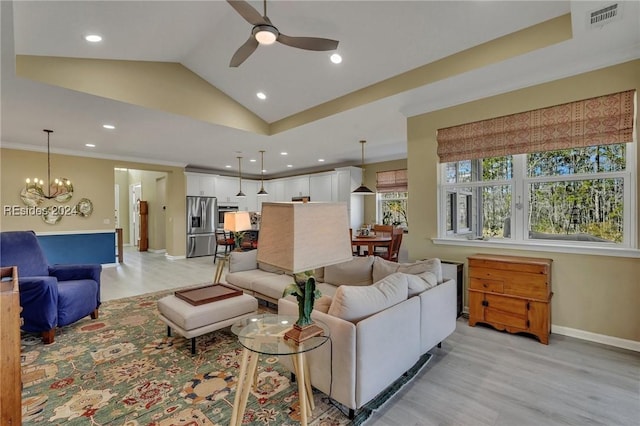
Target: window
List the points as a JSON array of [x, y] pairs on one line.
[[392, 208], [577, 195], [392, 194], [563, 174]]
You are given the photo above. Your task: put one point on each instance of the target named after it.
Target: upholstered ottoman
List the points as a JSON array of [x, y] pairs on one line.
[[192, 321]]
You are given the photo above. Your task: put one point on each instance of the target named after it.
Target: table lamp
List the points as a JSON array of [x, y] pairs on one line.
[[298, 238], [237, 222]]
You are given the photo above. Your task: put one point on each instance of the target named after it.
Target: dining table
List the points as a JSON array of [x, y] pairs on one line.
[[371, 241]]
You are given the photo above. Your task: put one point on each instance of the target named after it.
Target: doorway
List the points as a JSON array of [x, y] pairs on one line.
[[160, 224]]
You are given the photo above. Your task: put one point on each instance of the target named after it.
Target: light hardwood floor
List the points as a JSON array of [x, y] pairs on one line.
[[147, 272], [479, 377]]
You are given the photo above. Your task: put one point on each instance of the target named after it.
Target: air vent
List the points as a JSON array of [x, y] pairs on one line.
[[605, 15]]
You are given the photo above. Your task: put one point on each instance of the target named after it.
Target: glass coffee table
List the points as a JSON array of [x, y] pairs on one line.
[[264, 334]]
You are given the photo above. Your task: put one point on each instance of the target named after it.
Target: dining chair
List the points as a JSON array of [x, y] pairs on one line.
[[394, 248], [383, 228], [225, 240], [382, 250], [355, 249]]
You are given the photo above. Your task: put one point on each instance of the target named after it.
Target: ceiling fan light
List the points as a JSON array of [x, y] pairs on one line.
[[265, 34]]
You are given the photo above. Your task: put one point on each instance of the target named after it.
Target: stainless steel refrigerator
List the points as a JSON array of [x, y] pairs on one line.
[[202, 221]]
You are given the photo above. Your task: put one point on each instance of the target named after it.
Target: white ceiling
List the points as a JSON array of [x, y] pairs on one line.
[[378, 40]]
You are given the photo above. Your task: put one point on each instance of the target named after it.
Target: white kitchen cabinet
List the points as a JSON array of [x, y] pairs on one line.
[[348, 179], [250, 201], [226, 189], [296, 187], [201, 185], [276, 191], [321, 187]]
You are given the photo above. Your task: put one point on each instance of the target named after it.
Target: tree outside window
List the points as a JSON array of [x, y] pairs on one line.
[[393, 208]]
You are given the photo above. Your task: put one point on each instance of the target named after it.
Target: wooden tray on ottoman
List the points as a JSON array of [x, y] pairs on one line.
[[207, 294]]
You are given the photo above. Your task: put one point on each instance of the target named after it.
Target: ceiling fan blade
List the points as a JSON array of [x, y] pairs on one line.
[[247, 11], [244, 52], [308, 43]]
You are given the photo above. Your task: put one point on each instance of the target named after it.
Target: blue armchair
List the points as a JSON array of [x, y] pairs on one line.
[[50, 296]]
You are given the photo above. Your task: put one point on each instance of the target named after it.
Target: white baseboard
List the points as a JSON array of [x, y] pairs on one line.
[[157, 250], [617, 342], [110, 265], [170, 257], [598, 338]]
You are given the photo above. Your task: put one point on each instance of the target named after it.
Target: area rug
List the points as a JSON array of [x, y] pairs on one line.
[[122, 369]]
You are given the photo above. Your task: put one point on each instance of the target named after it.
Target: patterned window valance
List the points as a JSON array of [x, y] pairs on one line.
[[392, 181], [596, 121]]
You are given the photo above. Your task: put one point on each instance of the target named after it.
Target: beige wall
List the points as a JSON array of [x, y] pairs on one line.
[[93, 179], [597, 294]]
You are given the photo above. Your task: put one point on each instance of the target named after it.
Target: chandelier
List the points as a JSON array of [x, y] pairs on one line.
[[60, 189]]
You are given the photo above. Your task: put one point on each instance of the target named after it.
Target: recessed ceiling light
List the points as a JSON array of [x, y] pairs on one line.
[[93, 38], [261, 95], [253, 160], [228, 166], [89, 145], [335, 58], [320, 160], [289, 165], [284, 153], [109, 126], [264, 171]]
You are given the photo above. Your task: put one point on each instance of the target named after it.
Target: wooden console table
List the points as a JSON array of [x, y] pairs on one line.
[[10, 378], [511, 293]]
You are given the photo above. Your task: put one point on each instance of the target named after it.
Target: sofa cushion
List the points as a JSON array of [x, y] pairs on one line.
[[383, 268], [243, 260], [354, 303], [356, 271], [245, 279], [421, 282], [272, 285]]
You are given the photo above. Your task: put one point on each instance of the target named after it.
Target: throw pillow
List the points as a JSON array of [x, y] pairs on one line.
[[354, 303], [421, 282], [243, 260], [323, 304], [356, 271], [383, 268]]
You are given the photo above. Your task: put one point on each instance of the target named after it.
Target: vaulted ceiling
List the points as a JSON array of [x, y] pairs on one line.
[[161, 74]]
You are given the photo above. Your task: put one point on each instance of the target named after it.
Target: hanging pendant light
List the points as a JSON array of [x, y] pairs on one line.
[[240, 194], [60, 189], [262, 191], [362, 189]]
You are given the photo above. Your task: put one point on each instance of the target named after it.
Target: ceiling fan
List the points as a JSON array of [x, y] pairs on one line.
[[264, 32]]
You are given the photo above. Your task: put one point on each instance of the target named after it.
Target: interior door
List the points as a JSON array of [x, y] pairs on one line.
[[135, 195]]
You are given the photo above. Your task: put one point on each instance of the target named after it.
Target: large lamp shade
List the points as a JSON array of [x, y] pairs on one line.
[[299, 237], [237, 221]]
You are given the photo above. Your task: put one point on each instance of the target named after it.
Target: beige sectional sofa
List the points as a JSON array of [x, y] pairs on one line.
[[383, 316]]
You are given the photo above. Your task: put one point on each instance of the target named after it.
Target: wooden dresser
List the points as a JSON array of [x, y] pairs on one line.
[[10, 375], [511, 293]]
